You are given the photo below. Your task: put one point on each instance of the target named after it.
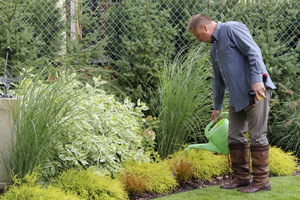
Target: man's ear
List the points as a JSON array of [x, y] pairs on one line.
[[204, 27]]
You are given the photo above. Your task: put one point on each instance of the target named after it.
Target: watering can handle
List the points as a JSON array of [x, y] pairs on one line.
[[212, 122]]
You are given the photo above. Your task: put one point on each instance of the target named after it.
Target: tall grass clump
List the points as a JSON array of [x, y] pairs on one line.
[[43, 107], [284, 129], [185, 99]]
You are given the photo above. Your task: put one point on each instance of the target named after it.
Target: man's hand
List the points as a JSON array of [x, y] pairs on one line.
[[215, 114], [260, 89]]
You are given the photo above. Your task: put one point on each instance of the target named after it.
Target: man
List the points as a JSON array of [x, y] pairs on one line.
[[238, 67]]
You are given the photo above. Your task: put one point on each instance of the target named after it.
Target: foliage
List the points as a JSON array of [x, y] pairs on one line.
[[282, 163], [182, 171], [27, 188], [156, 176], [134, 184], [87, 184], [62, 123], [185, 100], [46, 20], [150, 125], [205, 164], [145, 45], [285, 125], [38, 120], [87, 45], [179, 16], [101, 132], [17, 34]]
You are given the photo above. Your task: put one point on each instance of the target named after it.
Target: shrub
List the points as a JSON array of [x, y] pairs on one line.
[[156, 176], [282, 163], [89, 185], [182, 171], [134, 183], [101, 131], [28, 189], [205, 164]]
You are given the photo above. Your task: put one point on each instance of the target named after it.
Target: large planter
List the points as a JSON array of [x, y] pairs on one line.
[[7, 106]]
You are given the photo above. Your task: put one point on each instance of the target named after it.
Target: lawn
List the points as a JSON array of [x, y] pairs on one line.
[[287, 188]]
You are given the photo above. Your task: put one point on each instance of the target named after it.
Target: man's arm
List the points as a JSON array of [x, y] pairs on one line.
[[241, 36]]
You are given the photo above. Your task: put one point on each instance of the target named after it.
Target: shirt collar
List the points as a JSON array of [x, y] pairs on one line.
[[217, 31]]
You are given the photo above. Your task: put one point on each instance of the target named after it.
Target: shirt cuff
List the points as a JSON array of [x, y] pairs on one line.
[[218, 106], [257, 78]]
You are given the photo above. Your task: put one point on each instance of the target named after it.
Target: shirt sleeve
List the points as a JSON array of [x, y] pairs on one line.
[[242, 38], [218, 89]]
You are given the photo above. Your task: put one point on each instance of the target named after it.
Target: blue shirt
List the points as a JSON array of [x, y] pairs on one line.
[[237, 63]]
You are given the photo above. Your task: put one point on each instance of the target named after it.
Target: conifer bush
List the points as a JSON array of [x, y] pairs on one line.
[[156, 176], [89, 185]]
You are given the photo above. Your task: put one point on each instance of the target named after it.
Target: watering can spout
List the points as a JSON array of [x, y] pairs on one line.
[[207, 146]]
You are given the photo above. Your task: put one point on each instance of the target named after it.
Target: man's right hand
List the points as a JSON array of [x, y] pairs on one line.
[[215, 114]]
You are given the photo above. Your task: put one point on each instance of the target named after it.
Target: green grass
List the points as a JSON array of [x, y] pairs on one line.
[[287, 188]]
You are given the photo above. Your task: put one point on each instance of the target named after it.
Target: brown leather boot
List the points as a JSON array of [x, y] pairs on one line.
[[260, 167], [239, 154]]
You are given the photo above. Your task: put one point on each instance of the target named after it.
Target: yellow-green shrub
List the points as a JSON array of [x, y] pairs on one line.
[[37, 193], [28, 189], [89, 185], [205, 164], [156, 176], [282, 163]]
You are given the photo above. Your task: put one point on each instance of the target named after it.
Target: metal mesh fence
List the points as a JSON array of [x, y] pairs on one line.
[[58, 23]]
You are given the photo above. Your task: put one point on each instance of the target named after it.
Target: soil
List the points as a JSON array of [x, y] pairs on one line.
[[194, 184]]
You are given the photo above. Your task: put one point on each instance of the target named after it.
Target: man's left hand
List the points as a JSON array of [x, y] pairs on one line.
[[260, 89]]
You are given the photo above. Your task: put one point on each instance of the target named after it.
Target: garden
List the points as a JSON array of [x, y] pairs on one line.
[[100, 99]]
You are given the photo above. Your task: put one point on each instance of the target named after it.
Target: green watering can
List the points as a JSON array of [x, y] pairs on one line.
[[217, 137]]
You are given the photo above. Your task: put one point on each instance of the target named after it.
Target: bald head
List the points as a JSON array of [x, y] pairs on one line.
[[197, 20]]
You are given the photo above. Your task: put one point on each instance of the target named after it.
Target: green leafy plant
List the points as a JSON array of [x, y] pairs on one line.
[[205, 164], [27, 188], [156, 176], [185, 100], [87, 184], [282, 163], [101, 132]]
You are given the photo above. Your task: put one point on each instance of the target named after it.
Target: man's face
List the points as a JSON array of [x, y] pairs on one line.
[[202, 34]]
